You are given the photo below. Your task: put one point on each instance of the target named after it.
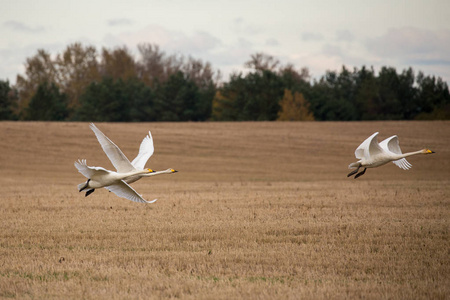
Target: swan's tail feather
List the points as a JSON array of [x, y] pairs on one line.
[[81, 185], [354, 165]]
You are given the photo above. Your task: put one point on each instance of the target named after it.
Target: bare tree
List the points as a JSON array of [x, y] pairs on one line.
[[261, 62]]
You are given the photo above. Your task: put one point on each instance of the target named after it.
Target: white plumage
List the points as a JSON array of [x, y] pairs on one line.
[[372, 154], [99, 177], [118, 182], [121, 162]]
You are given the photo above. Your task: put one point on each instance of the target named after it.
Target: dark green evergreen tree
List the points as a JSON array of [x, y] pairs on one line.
[[433, 98], [6, 101], [180, 99], [116, 101], [47, 104], [253, 97]]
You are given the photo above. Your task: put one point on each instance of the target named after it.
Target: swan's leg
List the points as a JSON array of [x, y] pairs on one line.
[[89, 192], [353, 172], [361, 173], [85, 186]]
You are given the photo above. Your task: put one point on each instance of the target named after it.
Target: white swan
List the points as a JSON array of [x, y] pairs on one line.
[[121, 162], [372, 155], [99, 177]]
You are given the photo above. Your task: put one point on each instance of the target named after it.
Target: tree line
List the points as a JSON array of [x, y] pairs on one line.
[[82, 84]]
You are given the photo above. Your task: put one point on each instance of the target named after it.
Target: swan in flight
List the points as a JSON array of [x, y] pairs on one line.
[[121, 162], [99, 177], [128, 172], [372, 154]]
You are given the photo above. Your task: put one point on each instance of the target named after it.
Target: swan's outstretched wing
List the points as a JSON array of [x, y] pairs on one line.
[[88, 171], [145, 152], [391, 144], [115, 155], [123, 190], [368, 148]]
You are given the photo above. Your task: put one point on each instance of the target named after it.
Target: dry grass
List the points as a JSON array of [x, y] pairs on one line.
[[258, 210]]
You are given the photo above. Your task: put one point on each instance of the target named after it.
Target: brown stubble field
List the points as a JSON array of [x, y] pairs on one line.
[[257, 210]]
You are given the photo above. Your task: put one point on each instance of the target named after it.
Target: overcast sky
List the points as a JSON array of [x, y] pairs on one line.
[[319, 35]]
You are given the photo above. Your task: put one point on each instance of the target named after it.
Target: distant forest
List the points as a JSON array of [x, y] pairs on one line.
[[82, 84]]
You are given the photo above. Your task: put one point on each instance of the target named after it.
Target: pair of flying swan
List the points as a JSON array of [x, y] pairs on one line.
[[126, 172], [370, 153]]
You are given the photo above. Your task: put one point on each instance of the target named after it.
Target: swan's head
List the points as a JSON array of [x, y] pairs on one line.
[[427, 151], [149, 170], [173, 171]]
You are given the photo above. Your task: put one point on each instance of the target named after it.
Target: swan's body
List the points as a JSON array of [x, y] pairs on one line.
[[121, 162], [126, 172], [99, 177], [372, 154]]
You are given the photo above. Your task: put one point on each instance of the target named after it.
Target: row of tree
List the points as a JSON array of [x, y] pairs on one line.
[[82, 84]]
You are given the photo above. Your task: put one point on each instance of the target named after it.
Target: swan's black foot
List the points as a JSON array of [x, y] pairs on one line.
[[89, 192], [361, 173], [85, 186], [353, 172]]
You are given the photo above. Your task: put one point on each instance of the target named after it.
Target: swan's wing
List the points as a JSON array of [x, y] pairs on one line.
[[402, 164], [369, 147], [123, 190], [145, 152], [115, 155], [88, 171], [391, 144]]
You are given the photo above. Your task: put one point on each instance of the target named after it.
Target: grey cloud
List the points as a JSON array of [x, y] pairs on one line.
[[412, 45], [200, 42], [119, 22], [332, 50], [312, 36], [244, 43], [13, 60], [19, 26], [437, 62], [272, 42], [344, 35], [240, 26], [169, 40]]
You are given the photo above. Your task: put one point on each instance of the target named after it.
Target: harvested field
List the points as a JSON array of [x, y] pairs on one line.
[[257, 210]]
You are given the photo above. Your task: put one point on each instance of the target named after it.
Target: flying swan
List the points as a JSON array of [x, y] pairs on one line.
[[122, 164], [99, 177], [372, 155]]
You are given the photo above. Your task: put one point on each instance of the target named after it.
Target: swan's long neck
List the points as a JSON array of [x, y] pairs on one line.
[[168, 171], [133, 173], [409, 154]]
